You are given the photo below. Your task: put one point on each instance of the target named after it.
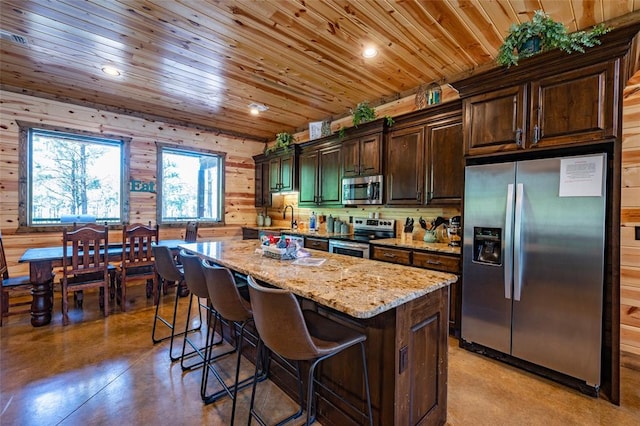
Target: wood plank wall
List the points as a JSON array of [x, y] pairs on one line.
[[239, 167], [629, 221]]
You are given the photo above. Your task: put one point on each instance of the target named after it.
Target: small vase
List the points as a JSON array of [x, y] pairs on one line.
[[430, 237], [267, 221], [260, 220]]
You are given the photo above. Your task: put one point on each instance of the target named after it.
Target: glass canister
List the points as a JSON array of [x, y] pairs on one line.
[[330, 224]]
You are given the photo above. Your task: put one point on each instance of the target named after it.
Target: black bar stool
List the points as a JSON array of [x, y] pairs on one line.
[[197, 285], [298, 335], [168, 271], [236, 312]]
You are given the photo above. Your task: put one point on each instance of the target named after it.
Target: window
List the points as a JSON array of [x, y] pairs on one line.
[[71, 176], [191, 185]]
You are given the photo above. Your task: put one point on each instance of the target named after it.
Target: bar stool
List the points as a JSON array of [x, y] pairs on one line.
[[236, 311], [167, 270], [298, 335], [194, 278]]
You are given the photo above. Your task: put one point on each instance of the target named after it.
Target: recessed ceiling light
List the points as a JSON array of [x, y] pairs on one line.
[[256, 108], [108, 69], [369, 52]]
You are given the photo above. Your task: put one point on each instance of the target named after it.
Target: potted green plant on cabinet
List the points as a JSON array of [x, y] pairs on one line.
[[283, 140], [542, 33], [363, 113]]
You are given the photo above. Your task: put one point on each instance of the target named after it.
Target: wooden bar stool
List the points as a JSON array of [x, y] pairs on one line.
[[298, 335]]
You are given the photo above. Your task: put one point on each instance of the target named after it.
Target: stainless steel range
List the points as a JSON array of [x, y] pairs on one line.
[[364, 230]]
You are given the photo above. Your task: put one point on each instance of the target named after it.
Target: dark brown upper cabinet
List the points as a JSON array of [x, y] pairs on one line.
[[424, 158], [362, 149], [548, 101]]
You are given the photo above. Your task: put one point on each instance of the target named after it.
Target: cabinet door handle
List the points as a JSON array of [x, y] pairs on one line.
[[536, 134], [518, 139], [419, 196]]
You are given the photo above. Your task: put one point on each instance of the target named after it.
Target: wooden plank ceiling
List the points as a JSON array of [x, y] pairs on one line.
[[202, 62]]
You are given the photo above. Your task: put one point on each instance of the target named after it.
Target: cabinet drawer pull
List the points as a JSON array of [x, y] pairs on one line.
[[389, 255], [434, 262]]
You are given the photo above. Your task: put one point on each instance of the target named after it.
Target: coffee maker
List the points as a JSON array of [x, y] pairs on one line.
[[454, 231]]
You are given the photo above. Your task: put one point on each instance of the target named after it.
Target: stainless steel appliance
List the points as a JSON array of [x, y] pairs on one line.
[[454, 231], [362, 190], [364, 230], [533, 262]]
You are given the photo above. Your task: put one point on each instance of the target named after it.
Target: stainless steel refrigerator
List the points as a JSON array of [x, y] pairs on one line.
[[534, 259]]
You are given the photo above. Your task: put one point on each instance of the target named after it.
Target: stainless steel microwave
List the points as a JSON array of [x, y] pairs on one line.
[[362, 190]]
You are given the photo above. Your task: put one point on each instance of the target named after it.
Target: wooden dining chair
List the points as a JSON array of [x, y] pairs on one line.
[[9, 285], [191, 232], [137, 259], [85, 265]]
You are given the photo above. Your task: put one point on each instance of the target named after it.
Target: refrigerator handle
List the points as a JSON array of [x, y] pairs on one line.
[[517, 242], [508, 243]]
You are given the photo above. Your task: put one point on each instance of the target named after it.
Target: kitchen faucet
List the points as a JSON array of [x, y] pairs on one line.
[[284, 214]]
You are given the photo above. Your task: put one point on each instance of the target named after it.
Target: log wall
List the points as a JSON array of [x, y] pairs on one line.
[[239, 167], [629, 222]]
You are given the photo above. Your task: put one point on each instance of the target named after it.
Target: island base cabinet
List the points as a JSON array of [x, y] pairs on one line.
[[407, 364]]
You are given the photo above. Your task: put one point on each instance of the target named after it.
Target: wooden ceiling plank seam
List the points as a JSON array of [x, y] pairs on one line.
[[500, 14], [417, 16], [561, 13], [458, 34], [478, 23]]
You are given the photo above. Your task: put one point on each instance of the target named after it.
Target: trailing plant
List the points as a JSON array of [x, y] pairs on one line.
[[388, 120], [283, 140], [551, 35], [363, 113]]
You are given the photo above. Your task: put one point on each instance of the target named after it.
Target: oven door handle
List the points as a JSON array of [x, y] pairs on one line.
[[345, 244]]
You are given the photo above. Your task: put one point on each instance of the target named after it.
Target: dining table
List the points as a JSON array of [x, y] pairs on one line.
[[41, 262]]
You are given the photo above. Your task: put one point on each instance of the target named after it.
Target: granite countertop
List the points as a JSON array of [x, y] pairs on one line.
[[361, 288], [417, 245]]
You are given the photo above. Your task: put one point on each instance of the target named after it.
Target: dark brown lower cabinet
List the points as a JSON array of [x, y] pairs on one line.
[[429, 260], [407, 364]]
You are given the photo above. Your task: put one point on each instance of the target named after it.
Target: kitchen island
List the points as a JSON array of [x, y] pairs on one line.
[[402, 310]]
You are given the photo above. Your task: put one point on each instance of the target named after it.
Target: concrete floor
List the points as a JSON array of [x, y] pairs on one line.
[[106, 372]]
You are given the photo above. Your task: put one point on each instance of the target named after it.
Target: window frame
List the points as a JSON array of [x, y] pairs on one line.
[[161, 147], [25, 174]]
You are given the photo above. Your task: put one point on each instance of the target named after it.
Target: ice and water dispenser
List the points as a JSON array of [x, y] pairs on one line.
[[487, 245]]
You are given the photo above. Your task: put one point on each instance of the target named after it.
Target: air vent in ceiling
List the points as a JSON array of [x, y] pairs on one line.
[[15, 38]]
